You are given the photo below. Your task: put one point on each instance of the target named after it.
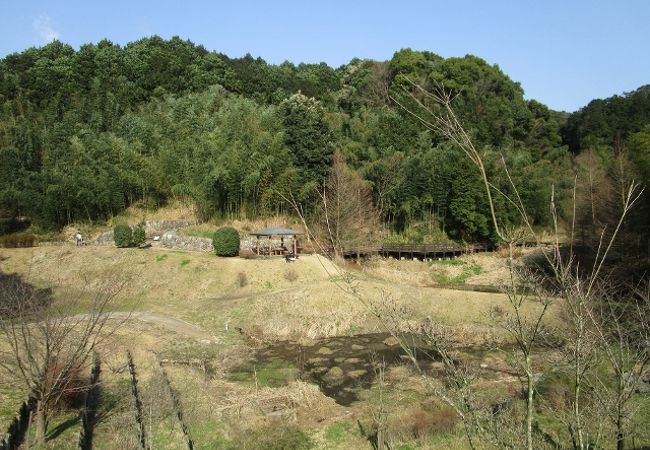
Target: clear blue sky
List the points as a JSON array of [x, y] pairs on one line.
[[564, 53]]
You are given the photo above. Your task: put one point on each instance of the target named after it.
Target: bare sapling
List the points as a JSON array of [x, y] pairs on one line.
[[344, 216], [573, 288], [622, 331], [48, 342], [563, 284]]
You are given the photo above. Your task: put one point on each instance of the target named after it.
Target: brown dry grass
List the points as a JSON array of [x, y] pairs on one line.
[[320, 302], [245, 226], [174, 210], [493, 269], [323, 301], [116, 428]]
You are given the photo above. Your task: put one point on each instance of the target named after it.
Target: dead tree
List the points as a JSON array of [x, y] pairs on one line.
[[346, 216], [575, 288], [622, 328], [47, 344]]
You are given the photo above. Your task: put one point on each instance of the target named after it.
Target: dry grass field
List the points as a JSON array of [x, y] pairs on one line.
[[245, 344]]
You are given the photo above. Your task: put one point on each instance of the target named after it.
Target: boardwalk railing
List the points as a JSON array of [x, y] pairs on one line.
[[415, 250]]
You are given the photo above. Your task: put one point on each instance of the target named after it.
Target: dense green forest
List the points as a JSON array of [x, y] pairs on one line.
[[86, 133]]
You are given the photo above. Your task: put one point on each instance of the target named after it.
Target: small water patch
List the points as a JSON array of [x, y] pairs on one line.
[[341, 366], [271, 373]]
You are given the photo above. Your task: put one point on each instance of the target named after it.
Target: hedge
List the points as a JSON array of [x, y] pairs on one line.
[[226, 242], [17, 240], [123, 235]]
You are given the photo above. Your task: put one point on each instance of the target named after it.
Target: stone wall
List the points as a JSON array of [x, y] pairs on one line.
[[151, 228], [173, 241], [251, 241], [106, 238], [167, 230]]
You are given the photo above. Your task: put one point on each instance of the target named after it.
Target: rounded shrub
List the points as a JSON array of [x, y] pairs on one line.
[[226, 242], [17, 240], [13, 225], [139, 235], [122, 235]]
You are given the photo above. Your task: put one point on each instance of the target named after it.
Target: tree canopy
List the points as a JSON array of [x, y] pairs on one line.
[[85, 133]]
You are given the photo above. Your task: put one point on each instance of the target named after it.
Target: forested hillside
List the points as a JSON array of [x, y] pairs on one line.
[[84, 134], [611, 140]]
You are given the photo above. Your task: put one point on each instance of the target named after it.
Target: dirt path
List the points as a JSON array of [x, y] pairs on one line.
[[176, 325]]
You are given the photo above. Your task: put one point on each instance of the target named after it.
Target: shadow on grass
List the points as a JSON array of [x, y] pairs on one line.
[[63, 426]]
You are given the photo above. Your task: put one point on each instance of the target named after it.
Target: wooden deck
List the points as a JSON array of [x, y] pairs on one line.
[[415, 251]]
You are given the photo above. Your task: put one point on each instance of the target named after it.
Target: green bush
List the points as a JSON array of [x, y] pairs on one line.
[[139, 236], [123, 235], [13, 225], [17, 240], [226, 242]]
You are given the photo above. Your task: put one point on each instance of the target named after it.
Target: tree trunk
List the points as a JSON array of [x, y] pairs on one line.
[[620, 432], [578, 383], [529, 406], [620, 437], [41, 424]]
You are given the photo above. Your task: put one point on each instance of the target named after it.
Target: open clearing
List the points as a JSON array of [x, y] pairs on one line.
[[308, 299], [255, 347]]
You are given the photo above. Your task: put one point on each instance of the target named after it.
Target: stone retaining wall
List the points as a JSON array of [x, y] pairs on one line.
[[251, 242], [169, 238], [173, 241], [151, 228]]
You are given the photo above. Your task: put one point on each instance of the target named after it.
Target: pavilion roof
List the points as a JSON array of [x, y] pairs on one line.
[[276, 231]]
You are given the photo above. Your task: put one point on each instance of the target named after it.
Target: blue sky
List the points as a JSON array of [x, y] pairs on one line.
[[564, 53]]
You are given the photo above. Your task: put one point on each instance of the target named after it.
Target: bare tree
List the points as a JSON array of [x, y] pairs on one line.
[[443, 120], [345, 215], [575, 288], [47, 343], [563, 281], [486, 424], [623, 332], [596, 196]]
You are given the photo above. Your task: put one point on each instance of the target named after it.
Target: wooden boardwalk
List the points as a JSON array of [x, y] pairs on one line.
[[415, 251]]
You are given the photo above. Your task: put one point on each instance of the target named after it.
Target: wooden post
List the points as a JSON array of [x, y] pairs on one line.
[[294, 245]]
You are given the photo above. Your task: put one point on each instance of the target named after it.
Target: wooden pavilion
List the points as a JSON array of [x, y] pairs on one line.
[[267, 247]]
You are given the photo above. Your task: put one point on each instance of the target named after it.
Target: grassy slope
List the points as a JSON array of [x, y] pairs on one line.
[[206, 290]]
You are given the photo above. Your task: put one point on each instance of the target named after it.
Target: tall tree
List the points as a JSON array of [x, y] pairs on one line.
[[346, 216], [308, 137]]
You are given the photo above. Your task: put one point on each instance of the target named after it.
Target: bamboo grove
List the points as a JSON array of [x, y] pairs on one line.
[[85, 133]]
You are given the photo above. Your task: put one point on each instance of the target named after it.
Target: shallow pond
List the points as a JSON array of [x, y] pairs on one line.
[[341, 366]]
